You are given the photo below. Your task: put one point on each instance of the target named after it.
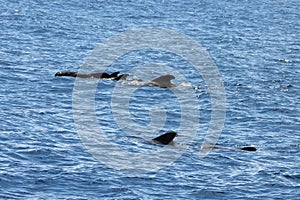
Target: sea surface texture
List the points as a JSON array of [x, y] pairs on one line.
[[72, 138]]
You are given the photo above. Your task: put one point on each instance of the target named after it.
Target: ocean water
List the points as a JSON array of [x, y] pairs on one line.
[[255, 46]]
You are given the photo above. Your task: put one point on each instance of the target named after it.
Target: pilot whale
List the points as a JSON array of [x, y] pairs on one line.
[[168, 137], [162, 82], [112, 76]]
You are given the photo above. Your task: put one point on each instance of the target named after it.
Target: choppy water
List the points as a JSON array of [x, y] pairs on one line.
[[255, 46]]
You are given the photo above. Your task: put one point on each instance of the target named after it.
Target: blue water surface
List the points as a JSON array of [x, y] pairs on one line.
[[256, 47]]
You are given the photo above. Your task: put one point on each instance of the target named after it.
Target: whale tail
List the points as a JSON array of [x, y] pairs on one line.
[[166, 138], [163, 81]]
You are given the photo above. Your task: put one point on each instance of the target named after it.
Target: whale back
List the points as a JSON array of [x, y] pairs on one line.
[[248, 148], [73, 74], [99, 75]]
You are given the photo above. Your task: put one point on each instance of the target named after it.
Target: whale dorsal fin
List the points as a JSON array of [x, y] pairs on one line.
[[165, 138], [115, 74], [99, 75], [163, 81]]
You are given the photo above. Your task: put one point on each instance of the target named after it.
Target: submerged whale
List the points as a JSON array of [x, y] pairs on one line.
[[167, 138], [112, 76]]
